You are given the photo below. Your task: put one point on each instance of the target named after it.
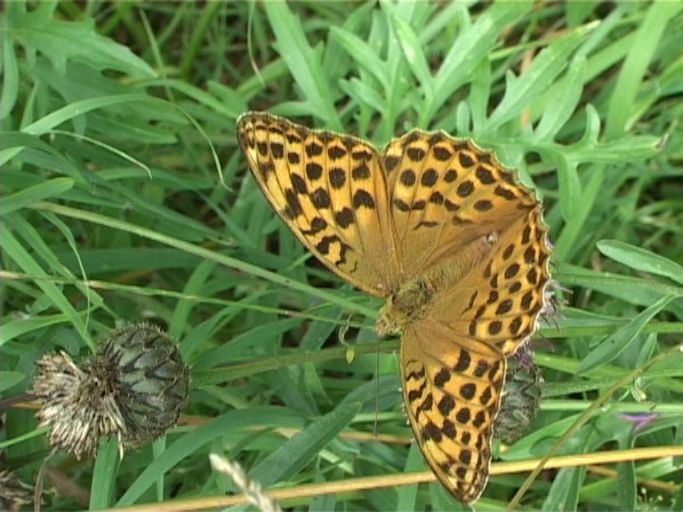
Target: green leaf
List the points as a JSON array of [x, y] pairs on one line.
[[622, 150], [562, 104], [407, 494], [633, 290], [78, 108], [564, 491], [522, 91], [29, 195], [641, 259], [230, 106], [474, 43], [614, 345], [364, 55], [650, 31], [414, 55], [298, 451], [229, 99], [626, 488], [304, 63], [570, 189], [566, 243], [363, 93], [62, 41], [10, 76], [104, 475], [13, 143]]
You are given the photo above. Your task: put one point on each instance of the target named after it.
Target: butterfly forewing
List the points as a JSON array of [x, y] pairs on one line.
[[499, 301], [331, 191], [445, 193]]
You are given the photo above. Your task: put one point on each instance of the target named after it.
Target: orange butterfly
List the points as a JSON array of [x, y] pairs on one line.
[[442, 231]]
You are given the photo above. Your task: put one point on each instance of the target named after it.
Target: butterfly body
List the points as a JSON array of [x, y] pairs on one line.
[[446, 235], [411, 301]]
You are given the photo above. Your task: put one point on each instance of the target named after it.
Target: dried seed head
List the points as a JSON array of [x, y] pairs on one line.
[[133, 388], [14, 494], [250, 488], [521, 396], [78, 405]]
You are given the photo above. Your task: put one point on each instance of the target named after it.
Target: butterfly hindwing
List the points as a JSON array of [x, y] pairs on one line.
[[452, 387]]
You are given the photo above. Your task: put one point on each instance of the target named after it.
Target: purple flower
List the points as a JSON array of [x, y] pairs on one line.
[[639, 420]]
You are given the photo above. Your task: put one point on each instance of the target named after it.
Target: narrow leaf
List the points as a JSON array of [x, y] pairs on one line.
[[615, 344], [35, 193], [298, 451], [641, 259]]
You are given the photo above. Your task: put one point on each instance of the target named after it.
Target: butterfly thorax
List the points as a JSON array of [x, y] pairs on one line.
[[404, 306], [411, 301]]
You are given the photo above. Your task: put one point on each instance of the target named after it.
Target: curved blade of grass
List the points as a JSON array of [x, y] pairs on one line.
[[77, 108], [13, 143], [628, 85], [228, 261], [634, 290], [30, 195], [73, 110], [104, 475], [296, 452], [570, 189], [10, 76], [13, 248], [191, 443], [615, 344]]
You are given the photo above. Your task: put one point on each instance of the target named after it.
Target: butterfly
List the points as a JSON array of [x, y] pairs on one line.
[[446, 235]]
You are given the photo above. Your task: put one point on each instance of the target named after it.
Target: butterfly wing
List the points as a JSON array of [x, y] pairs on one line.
[[446, 193], [331, 191], [452, 386], [454, 358], [499, 300], [475, 238]]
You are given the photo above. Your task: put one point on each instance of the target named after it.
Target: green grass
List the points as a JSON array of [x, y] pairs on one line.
[[117, 120]]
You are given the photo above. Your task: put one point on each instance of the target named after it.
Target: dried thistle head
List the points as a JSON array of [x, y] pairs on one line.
[[14, 494], [521, 396], [133, 388]]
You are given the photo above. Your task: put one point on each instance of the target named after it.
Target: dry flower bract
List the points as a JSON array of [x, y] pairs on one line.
[[133, 389]]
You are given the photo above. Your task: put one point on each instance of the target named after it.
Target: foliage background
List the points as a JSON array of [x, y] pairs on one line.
[[117, 117]]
